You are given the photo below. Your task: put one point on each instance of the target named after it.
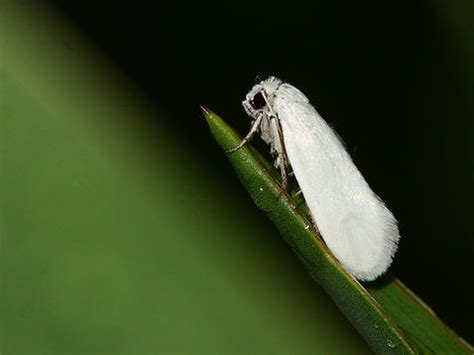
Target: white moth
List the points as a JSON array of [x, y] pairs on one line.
[[353, 221]]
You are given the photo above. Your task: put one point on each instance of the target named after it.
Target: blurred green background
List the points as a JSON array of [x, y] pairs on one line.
[[123, 227]]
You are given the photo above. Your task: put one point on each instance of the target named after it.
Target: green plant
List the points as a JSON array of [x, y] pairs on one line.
[[387, 315]]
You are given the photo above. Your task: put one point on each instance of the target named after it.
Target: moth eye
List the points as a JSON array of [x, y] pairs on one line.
[[258, 101]]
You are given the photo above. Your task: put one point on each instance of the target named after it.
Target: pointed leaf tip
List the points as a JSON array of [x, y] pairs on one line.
[[205, 111]]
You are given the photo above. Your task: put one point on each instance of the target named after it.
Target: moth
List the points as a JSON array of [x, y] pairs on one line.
[[353, 221]]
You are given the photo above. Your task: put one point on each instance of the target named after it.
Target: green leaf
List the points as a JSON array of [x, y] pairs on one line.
[[375, 311]]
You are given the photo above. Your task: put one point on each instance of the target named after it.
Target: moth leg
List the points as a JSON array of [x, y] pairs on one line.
[[284, 186], [279, 145], [284, 177], [249, 136], [284, 166]]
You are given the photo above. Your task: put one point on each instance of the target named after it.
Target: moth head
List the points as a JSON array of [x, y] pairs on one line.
[[260, 98]]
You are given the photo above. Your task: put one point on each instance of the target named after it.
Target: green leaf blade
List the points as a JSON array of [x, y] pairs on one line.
[[379, 328], [416, 318]]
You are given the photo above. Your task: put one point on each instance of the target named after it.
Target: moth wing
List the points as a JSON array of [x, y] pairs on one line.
[[354, 223]]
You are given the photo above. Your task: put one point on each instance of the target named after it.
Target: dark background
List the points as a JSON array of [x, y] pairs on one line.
[[394, 79]]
